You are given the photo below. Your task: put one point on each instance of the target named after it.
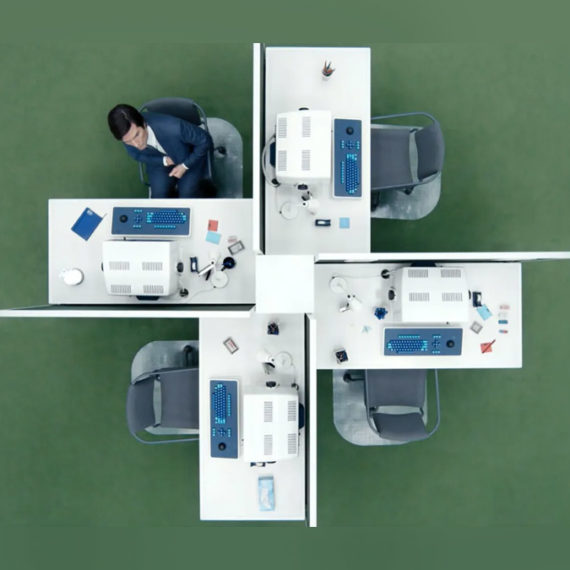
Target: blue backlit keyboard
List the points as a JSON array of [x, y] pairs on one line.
[[347, 158], [422, 342], [151, 221], [223, 418]]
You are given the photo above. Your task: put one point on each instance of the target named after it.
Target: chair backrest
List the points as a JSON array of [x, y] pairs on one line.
[[178, 403], [390, 157], [180, 107], [140, 405], [400, 427], [398, 388], [395, 388], [430, 145], [179, 398]]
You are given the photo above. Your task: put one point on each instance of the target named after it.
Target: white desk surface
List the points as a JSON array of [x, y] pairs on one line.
[[228, 487], [68, 250], [500, 283], [293, 79]]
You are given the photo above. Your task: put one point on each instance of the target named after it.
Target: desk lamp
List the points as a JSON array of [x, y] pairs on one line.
[[340, 286], [280, 361], [289, 210]]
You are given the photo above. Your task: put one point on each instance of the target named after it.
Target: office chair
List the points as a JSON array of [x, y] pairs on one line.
[[403, 158], [187, 110], [165, 402], [395, 401]]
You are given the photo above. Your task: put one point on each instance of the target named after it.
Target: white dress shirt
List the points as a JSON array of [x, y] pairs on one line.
[[153, 142]]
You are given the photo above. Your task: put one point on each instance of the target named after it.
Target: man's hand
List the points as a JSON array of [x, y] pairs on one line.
[[178, 171], [168, 161]]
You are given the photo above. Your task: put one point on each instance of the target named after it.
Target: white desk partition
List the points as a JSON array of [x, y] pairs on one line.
[[443, 256], [257, 145], [293, 79], [229, 487], [311, 372], [68, 250], [361, 334]]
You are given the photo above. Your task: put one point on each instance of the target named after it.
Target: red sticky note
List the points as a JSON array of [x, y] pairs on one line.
[[487, 347], [213, 226]]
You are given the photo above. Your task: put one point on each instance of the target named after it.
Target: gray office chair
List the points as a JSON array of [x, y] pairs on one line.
[[395, 401], [182, 108], [404, 158], [165, 401]]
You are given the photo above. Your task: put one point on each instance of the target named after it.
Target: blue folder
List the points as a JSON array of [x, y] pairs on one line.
[[86, 224]]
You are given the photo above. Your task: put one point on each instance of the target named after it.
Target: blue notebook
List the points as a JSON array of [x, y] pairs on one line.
[[86, 224]]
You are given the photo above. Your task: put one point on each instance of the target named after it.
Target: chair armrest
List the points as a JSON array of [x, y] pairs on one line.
[[410, 114], [142, 174], [436, 426]]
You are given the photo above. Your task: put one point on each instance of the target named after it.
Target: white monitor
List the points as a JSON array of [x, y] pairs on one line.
[[435, 295], [140, 268], [270, 419], [303, 147]]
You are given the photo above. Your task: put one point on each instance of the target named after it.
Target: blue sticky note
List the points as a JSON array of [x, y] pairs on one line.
[[483, 310], [213, 237], [344, 223]]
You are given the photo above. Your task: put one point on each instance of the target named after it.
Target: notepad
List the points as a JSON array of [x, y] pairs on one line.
[[213, 237], [484, 312], [86, 224]]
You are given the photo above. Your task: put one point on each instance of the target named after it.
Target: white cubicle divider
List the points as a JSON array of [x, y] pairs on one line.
[[442, 256], [257, 183], [311, 415], [94, 312]]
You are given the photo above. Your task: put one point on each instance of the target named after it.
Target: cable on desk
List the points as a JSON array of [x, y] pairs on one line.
[[367, 276], [274, 182]]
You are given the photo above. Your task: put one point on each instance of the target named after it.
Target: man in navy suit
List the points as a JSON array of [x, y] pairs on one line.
[[175, 151]]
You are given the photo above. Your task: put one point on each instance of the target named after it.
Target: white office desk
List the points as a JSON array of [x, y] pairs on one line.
[[293, 79], [228, 487], [500, 283], [68, 250]]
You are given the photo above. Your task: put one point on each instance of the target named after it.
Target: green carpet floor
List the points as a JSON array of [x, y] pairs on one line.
[[501, 454]]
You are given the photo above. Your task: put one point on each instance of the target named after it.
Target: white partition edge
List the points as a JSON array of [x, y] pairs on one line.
[[256, 136], [443, 256], [122, 314], [311, 365]]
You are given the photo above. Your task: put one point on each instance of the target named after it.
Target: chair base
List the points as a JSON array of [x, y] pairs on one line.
[[399, 205], [349, 412]]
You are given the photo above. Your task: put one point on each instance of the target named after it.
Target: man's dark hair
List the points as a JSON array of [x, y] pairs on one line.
[[120, 119]]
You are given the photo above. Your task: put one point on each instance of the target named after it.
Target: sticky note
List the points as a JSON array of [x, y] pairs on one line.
[[213, 225], [483, 310], [344, 223], [213, 237]]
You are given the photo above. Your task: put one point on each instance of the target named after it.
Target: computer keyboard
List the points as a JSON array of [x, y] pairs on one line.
[[422, 341], [347, 158], [151, 221], [223, 418]]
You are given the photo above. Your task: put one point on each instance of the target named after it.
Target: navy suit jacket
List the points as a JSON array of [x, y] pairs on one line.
[[183, 142]]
